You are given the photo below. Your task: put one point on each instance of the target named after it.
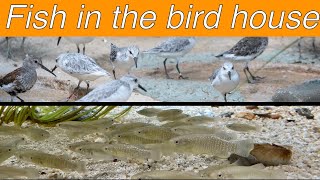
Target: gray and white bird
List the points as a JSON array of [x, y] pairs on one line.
[[80, 66], [247, 49], [225, 79], [114, 91], [78, 41], [120, 56], [174, 48], [23, 78]]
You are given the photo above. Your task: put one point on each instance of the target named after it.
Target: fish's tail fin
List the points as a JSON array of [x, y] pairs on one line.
[[162, 149], [244, 147], [81, 167], [155, 154]]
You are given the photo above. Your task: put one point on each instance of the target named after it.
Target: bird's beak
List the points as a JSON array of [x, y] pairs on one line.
[[43, 67], [229, 74], [136, 61], [59, 38], [139, 86]]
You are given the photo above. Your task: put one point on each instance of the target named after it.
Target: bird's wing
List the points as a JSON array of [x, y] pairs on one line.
[[113, 52], [214, 75], [10, 77], [246, 46], [102, 92], [171, 45], [79, 64]]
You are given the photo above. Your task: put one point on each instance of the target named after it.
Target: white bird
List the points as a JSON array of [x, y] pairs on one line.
[[247, 49], [114, 91], [173, 48], [80, 66], [78, 41], [225, 79], [119, 56]]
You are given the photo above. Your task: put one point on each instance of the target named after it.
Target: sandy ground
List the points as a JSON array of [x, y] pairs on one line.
[[299, 134], [285, 70]]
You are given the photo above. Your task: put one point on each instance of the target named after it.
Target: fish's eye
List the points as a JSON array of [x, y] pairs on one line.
[[139, 132], [219, 175], [9, 149], [177, 142], [119, 135], [80, 149]]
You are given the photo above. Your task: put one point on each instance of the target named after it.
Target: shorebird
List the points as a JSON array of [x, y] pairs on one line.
[[173, 48], [225, 79], [78, 41], [9, 54], [23, 78], [120, 56], [247, 49], [80, 66], [114, 91]]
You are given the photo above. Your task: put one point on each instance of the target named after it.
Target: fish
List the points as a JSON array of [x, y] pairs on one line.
[[129, 138], [15, 172], [200, 119], [33, 133], [207, 171], [176, 123], [271, 154], [246, 172], [6, 152], [192, 129], [50, 160], [164, 174], [136, 152], [155, 132], [75, 129], [211, 145], [174, 118], [93, 150], [73, 146], [116, 129], [12, 141], [149, 112], [242, 127], [169, 113], [37, 134]]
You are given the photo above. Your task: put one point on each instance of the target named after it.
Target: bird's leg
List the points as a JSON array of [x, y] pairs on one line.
[[180, 75], [299, 47], [165, 68], [22, 43], [78, 48], [314, 47], [87, 82], [11, 98], [20, 99], [9, 55], [253, 77], [225, 97], [75, 89], [245, 72], [114, 73], [84, 49]]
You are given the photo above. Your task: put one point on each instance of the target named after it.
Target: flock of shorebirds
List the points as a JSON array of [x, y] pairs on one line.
[[224, 79]]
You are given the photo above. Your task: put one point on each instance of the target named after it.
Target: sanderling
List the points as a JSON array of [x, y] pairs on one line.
[[173, 48], [9, 54], [80, 66], [247, 49], [225, 79], [114, 91], [77, 41], [23, 78], [122, 55]]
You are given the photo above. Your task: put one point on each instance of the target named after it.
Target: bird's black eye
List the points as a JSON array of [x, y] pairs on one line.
[[232, 67], [135, 80], [224, 68], [36, 61], [130, 52]]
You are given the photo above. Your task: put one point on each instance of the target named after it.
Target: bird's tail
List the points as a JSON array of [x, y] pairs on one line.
[[219, 55]]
